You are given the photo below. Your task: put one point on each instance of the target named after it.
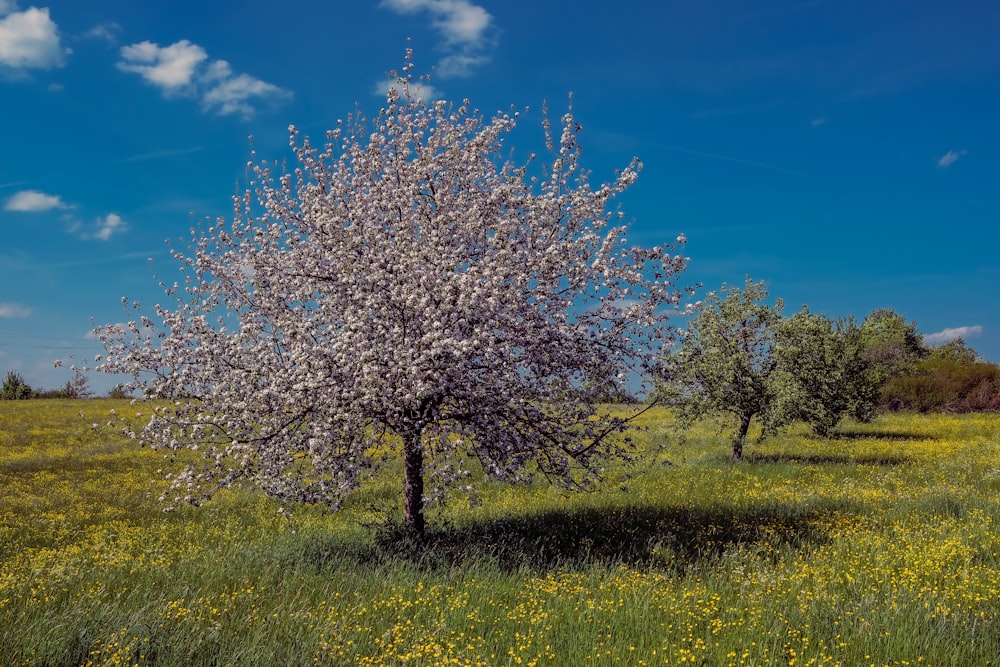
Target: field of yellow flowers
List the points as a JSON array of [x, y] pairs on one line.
[[878, 547]]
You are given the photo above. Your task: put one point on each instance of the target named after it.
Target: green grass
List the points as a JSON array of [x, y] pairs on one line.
[[880, 546]]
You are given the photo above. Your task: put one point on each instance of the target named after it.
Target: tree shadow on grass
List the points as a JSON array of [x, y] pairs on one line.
[[893, 436], [673, 539], [828, 459]]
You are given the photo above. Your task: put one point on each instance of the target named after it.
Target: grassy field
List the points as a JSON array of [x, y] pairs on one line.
[[880, 547]]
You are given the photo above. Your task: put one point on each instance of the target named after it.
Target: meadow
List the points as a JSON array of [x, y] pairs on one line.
[[880, 546]]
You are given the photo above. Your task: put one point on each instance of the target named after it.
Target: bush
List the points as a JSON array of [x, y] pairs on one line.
[[945, 383], [15, 388], [77, 387], [119, 392]]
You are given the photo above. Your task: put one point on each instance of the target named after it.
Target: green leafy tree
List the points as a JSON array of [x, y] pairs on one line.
[[725, 362], [15, 388], [119, 392], [954, 350], [822, 372], [892, 346]]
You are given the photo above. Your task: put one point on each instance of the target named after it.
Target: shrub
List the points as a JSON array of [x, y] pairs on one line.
[[951, 379], [15, 388], [118, 391]]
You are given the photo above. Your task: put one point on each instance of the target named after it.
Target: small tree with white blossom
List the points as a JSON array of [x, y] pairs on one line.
[[402, 284]]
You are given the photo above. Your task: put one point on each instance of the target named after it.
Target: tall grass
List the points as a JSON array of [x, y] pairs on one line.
[[880, 546]]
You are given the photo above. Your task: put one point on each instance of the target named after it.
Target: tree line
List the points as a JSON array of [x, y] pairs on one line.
[[743, 357], [15, 387]]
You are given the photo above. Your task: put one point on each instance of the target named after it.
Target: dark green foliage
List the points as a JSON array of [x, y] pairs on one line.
[[951, 379], [118, 392], [892, 345], [725, 362], [823, 374], [77, 387], [956, 351], [15, 388]]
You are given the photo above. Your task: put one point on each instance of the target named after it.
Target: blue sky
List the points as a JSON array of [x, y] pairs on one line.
[[844, 151]]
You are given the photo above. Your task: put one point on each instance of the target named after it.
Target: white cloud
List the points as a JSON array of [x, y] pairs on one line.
[[7, 6], [949, 158], [232, 95], [34, 201], [419, 91], [946, 335], [110, 224], [12, 310], [460, 21], [172, 68], [29, 39], [466, 28], [459, 65], [184, 68], [106, 31]]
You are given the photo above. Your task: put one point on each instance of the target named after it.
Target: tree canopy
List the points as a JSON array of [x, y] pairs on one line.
[[725, 360], [743, 357], [403, 284], [823, 374]]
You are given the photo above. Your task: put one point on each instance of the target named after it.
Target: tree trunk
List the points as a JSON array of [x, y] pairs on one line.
[[413, 483], [740, 436]]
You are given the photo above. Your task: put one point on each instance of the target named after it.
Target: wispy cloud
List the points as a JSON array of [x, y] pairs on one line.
[[33, 201], [949, 158], [29, 39], [229, 94], [459, 64], [26, 263], [725, 158], [110, 224], [104, 31], [156, 155], [468, 31], [946, 335], [184, 69], [12, 310], [417, 91], [103, 228]]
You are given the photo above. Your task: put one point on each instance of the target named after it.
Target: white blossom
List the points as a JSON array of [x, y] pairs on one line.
[[402, 279]]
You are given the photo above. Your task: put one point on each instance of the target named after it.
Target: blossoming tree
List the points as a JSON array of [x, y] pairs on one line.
[[405, 285]]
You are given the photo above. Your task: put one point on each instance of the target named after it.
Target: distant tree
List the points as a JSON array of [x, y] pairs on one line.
[[725, 362], [78, 386], [822, 372], [15, 388], [119, 392], [892, 345], [954, 350], [403, 280]]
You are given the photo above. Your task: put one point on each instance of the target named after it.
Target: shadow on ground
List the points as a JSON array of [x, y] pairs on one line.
[[894, 436], [674, 539], [828, 459]]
